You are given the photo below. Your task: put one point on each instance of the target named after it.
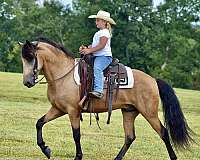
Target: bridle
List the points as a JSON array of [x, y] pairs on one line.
[[36, 71]]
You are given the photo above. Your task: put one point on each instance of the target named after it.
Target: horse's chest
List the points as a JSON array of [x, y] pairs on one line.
[[52, 99], [52, 96], [58, 101]]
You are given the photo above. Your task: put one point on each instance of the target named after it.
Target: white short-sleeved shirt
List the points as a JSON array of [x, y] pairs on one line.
[[106, 51]]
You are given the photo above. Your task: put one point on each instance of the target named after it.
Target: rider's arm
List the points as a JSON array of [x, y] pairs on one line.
[[101, 45]]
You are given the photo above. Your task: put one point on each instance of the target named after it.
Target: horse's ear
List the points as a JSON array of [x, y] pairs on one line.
[[20, 44], [32, 44], [35, 43]]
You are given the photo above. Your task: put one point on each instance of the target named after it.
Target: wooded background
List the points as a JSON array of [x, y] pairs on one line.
[[163, 42]]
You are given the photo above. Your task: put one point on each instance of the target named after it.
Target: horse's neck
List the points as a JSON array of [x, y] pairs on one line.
[[57, 68]]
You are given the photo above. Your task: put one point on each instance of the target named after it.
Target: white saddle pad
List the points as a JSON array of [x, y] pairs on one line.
[[124, 84]]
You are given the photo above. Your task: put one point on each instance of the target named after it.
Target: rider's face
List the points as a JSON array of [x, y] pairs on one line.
[[100, 23]]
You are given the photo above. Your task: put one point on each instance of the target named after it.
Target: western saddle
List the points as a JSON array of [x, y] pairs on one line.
[[115, 75]]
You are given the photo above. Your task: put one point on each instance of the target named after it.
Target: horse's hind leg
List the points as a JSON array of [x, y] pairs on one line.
[[53, 113], [165, 138], [163, 133], [129, 116]]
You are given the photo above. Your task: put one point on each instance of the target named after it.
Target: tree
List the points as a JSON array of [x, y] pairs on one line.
[[161, 42], [23, 20], [176, 45]]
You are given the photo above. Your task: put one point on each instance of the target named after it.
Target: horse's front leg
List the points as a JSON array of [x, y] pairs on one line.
[[53, 113], [75, 123]]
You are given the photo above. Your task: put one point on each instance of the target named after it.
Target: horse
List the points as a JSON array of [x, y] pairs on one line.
[[57, 65]]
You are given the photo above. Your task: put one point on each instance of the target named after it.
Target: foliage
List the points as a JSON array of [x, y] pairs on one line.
[[160, 41]]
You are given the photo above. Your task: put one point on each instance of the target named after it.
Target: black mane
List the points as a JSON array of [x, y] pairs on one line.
[[59, 46]]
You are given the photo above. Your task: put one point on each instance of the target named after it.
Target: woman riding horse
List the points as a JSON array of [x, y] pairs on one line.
[[57, 65]]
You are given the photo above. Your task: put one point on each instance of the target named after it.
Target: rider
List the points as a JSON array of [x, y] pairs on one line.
[[101, 49]]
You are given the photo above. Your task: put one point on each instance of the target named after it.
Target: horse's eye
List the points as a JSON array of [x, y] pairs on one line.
[[28, 56]]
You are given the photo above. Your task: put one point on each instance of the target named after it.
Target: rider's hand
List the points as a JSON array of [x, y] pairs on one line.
[[90, 46], [86, 51], [82, 47]]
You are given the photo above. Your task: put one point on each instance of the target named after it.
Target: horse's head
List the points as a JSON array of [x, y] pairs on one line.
[[46, 55], [30, 63]]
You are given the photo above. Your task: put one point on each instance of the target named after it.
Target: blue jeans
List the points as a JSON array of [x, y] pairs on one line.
[[100, 63]]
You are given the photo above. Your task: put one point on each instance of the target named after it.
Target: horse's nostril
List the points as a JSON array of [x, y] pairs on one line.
[[28, 84]]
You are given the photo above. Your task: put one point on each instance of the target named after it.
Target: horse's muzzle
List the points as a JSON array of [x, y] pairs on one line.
[[29, 83]]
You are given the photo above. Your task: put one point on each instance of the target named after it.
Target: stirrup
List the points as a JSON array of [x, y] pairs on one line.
[[95, 94]]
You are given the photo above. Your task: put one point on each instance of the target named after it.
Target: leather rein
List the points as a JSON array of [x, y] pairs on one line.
[[35, 71]]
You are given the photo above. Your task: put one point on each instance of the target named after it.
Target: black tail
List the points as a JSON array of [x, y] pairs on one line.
[[174, 119]]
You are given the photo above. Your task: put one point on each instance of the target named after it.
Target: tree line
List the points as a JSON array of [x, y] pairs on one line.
[[163, 42]]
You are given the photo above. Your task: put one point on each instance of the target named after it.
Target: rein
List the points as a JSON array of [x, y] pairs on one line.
[[39, 81]]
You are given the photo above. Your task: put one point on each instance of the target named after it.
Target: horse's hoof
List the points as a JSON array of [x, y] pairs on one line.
[[47, 152], [78, 158]]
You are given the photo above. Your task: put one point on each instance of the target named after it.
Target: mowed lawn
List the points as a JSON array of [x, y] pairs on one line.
[[20, 108]]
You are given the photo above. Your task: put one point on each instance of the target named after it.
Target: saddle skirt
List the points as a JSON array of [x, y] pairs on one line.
[[125, 82]]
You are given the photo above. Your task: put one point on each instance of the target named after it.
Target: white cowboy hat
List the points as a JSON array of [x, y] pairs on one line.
[[103, 15]]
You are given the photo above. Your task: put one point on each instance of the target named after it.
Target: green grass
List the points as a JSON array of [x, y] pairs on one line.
[[20, 108]]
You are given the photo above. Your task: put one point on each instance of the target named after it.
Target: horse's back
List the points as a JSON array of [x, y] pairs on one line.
[[143, 80]]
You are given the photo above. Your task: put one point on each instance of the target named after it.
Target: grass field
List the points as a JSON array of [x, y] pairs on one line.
[[20, 108]]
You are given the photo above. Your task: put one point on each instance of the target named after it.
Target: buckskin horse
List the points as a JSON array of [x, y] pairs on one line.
[[57, 65]]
